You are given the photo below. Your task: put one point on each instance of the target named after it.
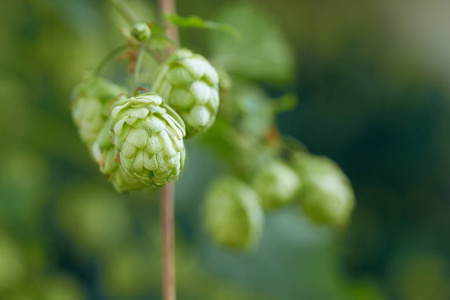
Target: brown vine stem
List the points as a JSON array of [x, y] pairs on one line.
[[169, 7], [167, 217], [168, 192]]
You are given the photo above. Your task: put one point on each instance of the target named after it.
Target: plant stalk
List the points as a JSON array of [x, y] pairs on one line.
[[126, 12], [168, 192], [169, 7], [108, 57], [167, 217], [138, 66]]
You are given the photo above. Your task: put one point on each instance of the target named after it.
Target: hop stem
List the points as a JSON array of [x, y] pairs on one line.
[[168, 195], [169, 7], [138, 66], [126, 12], [114, 52], [167, 211]]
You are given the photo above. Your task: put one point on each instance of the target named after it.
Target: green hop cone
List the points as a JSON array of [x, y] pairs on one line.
[[233, 215], [327, 196], [148, 136], [104, 153], [90, 106], [189, 84], [277, 184]]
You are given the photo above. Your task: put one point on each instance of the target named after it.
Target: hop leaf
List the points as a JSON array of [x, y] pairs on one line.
[[189, 84], [197, 22], [276, 184], [327, 196], [148, 136], [262, 54], [90, 106], [233, 215]]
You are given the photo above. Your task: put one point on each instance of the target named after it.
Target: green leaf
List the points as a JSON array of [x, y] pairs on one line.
[[262, 54], [197, 22]]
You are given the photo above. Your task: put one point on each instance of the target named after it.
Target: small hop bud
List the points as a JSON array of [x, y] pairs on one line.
[[148, 136], [90, 106], [141, 31], [327, 196], [189, 84], [233, 215], [277, 184]]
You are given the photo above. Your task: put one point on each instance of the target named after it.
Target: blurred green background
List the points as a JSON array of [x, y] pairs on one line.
[[372, 81]]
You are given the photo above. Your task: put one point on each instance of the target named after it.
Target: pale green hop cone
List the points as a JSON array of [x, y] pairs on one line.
[[90, 106], [327, 196], [148, 136], [104, 153], [277, 184], [190, 85], [232, 214]]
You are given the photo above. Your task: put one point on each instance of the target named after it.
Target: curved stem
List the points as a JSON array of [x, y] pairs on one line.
[[108, 57], [172, 42], [137, 68], [126, 12]]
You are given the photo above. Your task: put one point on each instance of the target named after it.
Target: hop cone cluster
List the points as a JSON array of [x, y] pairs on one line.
[[233, 215], [90, 106], [148, 138], [276, 184], [327, 196], [189, 84]]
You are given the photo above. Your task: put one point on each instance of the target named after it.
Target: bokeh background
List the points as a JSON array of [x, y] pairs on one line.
[[372, 80]]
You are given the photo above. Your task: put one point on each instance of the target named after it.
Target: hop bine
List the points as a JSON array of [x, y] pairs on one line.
[[148, 137], [190, 85]]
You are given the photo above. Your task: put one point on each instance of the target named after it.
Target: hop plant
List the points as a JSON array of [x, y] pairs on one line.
[[277, 184], [190, 85], [90, 106], [148, 137], [327, 196], [104, 153], [233, 215]]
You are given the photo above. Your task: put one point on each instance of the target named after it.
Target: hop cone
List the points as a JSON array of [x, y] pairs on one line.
[[233, 215], [327, 196], [104, 153], [90, 106], [189, 84], [276, 184], [148, 137]]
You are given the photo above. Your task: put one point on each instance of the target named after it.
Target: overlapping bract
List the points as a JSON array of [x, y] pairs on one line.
[[105, 153], [189, 84], [233, 215], [148, 137], [327, 196], [90, 106], [276, 184]]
